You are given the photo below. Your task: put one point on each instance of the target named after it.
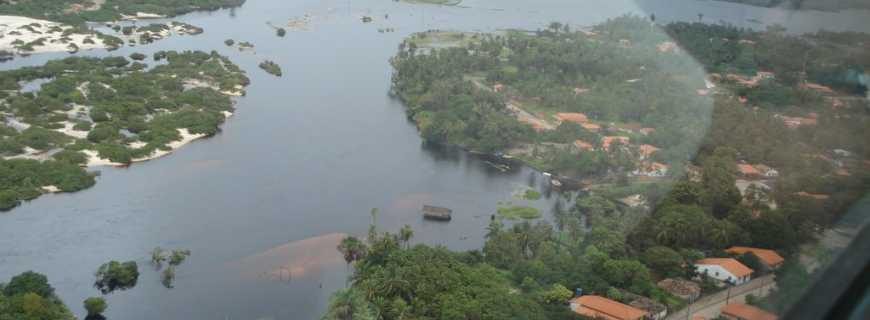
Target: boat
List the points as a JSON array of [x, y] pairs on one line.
[[437, 213]]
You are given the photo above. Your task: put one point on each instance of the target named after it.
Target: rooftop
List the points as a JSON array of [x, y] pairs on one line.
[[747, 312], [572, 116], [769, 257], [600, 307], [732, 265]]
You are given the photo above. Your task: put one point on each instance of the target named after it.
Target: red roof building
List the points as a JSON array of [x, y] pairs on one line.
[[769, 257], [597, 307], [742, 311]]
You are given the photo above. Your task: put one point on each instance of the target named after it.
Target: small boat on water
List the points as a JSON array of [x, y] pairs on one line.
[[437, 213]]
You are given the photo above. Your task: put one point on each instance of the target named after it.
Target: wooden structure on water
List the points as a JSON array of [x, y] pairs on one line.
[[437, 213]]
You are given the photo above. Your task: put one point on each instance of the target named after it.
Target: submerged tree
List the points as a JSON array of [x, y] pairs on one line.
[[115, 275], [168, 276], [95, 306]]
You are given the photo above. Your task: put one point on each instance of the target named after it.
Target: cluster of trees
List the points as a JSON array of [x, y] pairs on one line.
[[114, 275], [609, 248], [110, 10], [271, 67], [123, 104], [22, 179], [636, 83], [29, 296], [174, 259]]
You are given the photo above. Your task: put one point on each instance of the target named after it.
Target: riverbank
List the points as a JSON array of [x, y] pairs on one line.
[[23, 35]]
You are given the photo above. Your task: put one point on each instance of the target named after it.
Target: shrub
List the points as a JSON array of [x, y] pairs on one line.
[[115, 275], [95, 305]]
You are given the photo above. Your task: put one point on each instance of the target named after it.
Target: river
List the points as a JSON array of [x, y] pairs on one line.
[[305, 157]]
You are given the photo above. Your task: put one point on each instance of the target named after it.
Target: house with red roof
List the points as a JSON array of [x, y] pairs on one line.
[[575, 117], [597, 307], [608, 140], [740, 311], [724, 269], [768, 258], [747, 170], [583, 145]]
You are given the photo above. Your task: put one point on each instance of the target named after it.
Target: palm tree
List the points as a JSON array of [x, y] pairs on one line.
[[405, 235], [352, 249], [700, 17]]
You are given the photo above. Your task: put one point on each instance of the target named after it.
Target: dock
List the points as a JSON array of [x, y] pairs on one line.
[[437, 213]]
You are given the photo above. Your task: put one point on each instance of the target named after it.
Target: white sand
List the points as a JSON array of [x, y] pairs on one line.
[[53, 41], [186, 137], [137, 145], [68, 130], [227, 114], [94, 159], [51, 189], [30, 153]]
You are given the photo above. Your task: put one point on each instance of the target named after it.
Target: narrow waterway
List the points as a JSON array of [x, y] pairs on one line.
[[305, 157]]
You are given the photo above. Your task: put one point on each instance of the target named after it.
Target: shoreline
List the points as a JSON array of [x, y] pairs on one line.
[[94, 159], [23, 36]]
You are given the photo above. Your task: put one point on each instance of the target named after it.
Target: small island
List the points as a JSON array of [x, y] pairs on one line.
[[76, 12], [91, 112], [271, 68]]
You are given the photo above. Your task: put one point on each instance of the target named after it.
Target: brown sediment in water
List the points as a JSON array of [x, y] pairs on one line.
[[294, 259]]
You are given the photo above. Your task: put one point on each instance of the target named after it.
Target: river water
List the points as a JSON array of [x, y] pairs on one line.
[[303, 160]]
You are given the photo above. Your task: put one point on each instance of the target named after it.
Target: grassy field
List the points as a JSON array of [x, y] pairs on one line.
[[516, 212]]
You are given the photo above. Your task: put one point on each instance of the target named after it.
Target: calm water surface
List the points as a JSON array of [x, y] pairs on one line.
[[303, 159]]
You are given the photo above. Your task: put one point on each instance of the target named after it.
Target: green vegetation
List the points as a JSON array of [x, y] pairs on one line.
[[271, 68], [531, 194], [175, 258], [605, 244], [114, 275], [78, 11], [281, 32], [515, 212], [30, 296], [116, 110], [95, 306]]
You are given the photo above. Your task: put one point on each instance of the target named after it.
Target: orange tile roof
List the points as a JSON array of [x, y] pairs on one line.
[[572, 116], [769, 257], [747, 312], [583, 145], [747, 169], [732, 265], [600, 307], [590, 126], [606, 141], [648, 149]]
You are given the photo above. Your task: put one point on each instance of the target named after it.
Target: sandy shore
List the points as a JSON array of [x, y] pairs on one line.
[[94, 159], [15, 31]]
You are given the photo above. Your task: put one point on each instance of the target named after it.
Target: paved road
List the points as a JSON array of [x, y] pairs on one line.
[[709, 306]]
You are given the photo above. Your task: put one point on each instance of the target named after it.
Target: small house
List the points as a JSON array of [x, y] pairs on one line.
[[575, 117], [769, 258], [597, 307], [724, 269], [608, 140], [583, 145], [741, 311]]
